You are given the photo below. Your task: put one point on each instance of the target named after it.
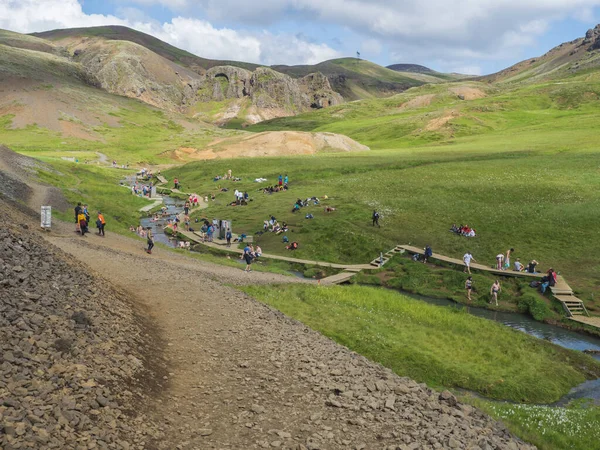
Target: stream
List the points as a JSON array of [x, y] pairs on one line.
[[174, 207], [551, 333]]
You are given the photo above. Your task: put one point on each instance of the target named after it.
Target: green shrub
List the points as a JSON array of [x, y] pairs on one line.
[[533, 305]]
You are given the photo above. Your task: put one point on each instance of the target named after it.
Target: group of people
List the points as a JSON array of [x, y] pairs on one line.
[[241, 198], [82, 220], [274, 226], [463, 230], [250, 254], [503, 263], [143, 190], [273, 189], [303, 203], [494, 290]]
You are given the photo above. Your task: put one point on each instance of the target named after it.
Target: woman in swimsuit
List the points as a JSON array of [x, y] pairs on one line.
[[494, 292], [469, 287]]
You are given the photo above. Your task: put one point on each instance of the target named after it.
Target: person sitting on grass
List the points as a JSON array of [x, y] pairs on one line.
[[292, 246], [258, 252], [285, 240], [329, 209]]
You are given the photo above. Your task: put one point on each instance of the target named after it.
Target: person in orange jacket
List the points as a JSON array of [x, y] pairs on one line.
[[100, 223]]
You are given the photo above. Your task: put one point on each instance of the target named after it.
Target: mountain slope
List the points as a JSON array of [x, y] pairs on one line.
[[174, 80], [352, 81], [565, 60], [120, 33], [357, 79]]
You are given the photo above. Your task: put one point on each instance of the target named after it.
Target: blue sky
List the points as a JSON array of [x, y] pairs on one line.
[[468, 36]]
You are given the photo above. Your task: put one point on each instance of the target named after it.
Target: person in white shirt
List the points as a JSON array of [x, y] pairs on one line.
[[467, 260]]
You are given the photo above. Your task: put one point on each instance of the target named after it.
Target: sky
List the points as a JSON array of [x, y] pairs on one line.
[[465, 36]]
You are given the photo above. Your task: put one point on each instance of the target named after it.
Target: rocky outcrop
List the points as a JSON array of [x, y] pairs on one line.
[[592, 38], [128, 69], [265, 89]]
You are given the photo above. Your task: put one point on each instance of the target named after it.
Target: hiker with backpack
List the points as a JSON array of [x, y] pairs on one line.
[[376, 218]]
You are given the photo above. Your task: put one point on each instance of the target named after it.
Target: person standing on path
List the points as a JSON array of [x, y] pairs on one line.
[[376, 218], [228, 237], [467, 258], [248, 258], [507, 259], [78, 210], [499, 261], [186, 207], [494, 290], [101, 223], [83, 225], [469, 287], [149, 240]]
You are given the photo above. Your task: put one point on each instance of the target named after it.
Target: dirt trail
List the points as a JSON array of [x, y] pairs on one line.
[[244, 376]]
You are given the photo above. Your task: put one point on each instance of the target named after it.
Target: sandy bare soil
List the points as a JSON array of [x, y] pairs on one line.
[[273, 143], [468, 93]]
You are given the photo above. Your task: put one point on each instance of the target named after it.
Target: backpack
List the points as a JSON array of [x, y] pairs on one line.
[[534, 284]]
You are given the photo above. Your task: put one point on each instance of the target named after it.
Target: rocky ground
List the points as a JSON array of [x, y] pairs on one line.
[[176, 358], [73, 352]]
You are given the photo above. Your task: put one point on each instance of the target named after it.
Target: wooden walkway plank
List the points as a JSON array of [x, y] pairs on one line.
[[476, 266], [338, 278], [194, 238]]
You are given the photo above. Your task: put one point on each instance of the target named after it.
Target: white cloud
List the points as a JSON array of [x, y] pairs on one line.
[[465, 70], [370, 47], [456, 33], [196, 36]]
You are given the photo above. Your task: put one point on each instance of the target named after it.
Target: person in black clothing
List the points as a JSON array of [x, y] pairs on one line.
[[428, 253], [77, 212], [376, 219]]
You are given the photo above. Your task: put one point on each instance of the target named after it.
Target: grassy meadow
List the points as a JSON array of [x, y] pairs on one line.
[[442, 347], [547, 427]]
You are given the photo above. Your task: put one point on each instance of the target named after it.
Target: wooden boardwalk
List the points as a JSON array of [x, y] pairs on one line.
[[339, 278], [476, 266], [193, 237], [574, 307]]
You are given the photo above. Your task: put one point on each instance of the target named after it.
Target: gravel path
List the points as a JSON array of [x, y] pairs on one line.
[[243, 376]]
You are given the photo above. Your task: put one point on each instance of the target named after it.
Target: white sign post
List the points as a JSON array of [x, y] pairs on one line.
[[46, 217]]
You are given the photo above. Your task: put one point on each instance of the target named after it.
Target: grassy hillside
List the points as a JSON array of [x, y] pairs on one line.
[[357, 79], [519, 165], [577, 56], [119, 33], [49, 107]]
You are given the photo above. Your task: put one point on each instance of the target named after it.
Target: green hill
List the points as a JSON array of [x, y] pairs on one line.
[[120, 33], [358, 79]]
